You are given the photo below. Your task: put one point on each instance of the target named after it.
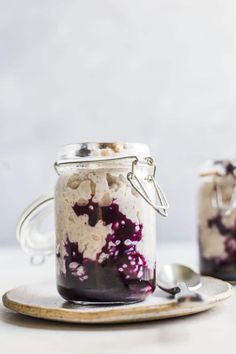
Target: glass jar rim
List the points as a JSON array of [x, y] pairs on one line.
[[98, 150], [220, 168]]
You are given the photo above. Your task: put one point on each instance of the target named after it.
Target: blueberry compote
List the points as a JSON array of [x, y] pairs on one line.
[[224, 265], [120, 272]]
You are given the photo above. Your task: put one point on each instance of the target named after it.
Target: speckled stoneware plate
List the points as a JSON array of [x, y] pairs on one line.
[[42, 301]]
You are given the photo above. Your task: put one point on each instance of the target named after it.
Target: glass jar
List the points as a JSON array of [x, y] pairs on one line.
[[105, 203], [217, 219]]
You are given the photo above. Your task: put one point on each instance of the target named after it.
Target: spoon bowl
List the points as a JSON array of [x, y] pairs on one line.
[[179, 281], [171, 274]]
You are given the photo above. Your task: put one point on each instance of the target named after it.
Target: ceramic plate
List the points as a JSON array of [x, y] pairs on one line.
[[42, 301]]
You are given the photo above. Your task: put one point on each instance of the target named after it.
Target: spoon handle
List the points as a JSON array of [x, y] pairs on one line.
[[186, 295]]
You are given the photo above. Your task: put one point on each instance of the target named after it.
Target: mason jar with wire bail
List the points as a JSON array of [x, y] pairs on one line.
[[217, 219], [105, 202]]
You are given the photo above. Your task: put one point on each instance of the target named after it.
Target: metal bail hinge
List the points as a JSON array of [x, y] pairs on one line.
[[138, 186], [217, 201]]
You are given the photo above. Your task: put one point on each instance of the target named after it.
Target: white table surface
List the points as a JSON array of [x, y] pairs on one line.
[[214, 330]]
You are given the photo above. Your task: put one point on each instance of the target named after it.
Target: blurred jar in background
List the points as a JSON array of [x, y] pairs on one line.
[[217, 219]]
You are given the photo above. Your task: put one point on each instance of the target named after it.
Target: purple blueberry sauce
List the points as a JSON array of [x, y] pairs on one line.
[[223, 266], [119, 273]]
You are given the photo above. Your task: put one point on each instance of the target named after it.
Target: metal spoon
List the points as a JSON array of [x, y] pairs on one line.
[[179, 280]]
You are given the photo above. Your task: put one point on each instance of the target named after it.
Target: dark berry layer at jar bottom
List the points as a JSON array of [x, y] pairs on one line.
[[224, 272], [222, 266], [104, 283], [108, 289], [119, 273]]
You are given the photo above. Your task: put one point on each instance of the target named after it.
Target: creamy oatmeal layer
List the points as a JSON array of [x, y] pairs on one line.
[[103, 186]]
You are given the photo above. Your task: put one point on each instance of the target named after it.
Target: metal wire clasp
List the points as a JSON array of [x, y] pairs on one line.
[[218, 203], [138, 186], [132, 178]]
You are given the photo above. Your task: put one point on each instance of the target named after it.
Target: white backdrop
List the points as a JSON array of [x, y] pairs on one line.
[[160, 71]]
